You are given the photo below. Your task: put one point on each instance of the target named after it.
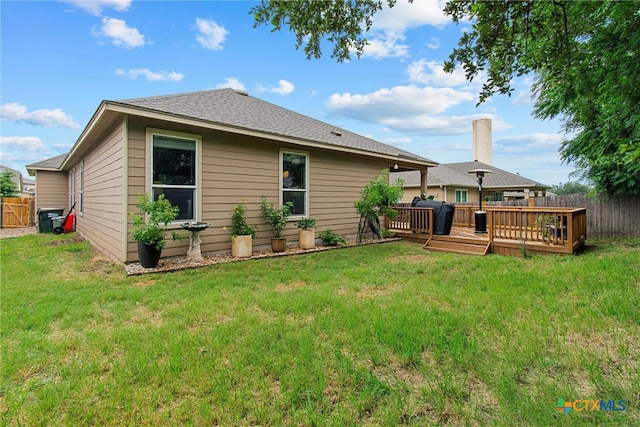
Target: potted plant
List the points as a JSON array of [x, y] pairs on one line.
[[242, 234], [307, 233], [276, 218], [150, 227]]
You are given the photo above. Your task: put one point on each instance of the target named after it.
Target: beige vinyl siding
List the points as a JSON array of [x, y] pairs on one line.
[[238, 168], [101, 221], [52, 190], [411, 192], [335, 184]]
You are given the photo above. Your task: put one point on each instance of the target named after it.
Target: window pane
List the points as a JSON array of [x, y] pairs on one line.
[[294, 170], [181, 197], [174, 161], [297, 197]]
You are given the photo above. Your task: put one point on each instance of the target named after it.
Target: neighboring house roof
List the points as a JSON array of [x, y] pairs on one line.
[[458, 174], [52, 164], [233, 111]]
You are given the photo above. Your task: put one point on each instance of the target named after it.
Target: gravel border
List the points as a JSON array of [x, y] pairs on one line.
[[180, 263], [7, 233]]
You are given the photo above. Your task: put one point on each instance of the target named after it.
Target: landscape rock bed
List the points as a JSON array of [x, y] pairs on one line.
[[179, 263]]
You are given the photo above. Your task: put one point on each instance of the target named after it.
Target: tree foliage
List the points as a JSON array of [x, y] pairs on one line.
[[8, 187], [570, 188], [342, 23], [378, 197], [583, 54]]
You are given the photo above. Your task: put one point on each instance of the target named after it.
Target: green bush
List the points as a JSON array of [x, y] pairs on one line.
[[331, 238], [239, 226]]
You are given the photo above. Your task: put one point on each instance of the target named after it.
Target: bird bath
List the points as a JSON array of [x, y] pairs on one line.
[[194, 254]]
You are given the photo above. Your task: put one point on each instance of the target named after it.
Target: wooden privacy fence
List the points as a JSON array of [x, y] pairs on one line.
[[18, 212]]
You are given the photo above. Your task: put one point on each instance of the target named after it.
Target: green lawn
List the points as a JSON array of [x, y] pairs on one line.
[[384, 334]]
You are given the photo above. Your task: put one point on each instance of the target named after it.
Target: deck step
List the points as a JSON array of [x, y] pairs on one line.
[[457, 245]]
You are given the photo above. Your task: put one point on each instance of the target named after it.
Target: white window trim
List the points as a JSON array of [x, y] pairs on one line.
[[81, 196], [306, 180], [462, 191], [197, 208], [72, 187]]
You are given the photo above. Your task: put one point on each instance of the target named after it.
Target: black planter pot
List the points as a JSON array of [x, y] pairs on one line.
[[148, 254]]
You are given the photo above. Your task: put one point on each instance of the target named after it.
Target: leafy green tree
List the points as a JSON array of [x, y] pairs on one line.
[[342, 23], [377, 199], [570, 188], [8, 187], [583, 54]]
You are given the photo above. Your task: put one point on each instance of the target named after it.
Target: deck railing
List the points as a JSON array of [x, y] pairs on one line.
[[566, 227], [463, 216], [560, 229], [408, 219]]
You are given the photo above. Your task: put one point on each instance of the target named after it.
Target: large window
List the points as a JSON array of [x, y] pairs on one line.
[[461, 196], [294, 181], [174, 172]]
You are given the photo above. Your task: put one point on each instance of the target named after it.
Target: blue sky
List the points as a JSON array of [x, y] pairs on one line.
[[60, 59]]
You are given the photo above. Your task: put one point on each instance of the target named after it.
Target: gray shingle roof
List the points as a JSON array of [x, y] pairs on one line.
[[51, 163], [497, 178], [232, 108], [458, 174]]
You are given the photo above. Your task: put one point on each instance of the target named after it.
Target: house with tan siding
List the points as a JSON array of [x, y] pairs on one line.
[[452, 183], [208, 151]]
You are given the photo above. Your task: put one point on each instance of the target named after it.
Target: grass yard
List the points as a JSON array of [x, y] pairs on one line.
[[385, 334]]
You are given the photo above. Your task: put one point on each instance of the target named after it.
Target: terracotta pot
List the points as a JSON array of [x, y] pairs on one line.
[[278, 244], [148, 255], [307, 238], [241, 246]]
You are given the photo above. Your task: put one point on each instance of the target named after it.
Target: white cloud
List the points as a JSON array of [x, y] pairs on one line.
[[211, 35], [233, 83], [49, 118], [150, 75], [433, 43], [390, 25], [95, 7], [405, 15], [284, 88], [529, 144], [397, 102], [24, 143], [386, 46], [120, 34], [431, 72], [525, 93], [439, 125]]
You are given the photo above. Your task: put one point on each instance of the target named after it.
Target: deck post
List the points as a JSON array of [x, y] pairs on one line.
[[423, 180]]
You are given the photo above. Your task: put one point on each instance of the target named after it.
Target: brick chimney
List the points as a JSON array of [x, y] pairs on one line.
[[482, 140]]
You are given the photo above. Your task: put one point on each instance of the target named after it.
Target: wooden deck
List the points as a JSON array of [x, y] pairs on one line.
[[511, 231]]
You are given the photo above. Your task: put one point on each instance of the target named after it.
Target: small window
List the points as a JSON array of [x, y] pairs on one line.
[[499, 196], [72, 187], [81, 195], [174, 174], [461, 196], [293, 181]]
